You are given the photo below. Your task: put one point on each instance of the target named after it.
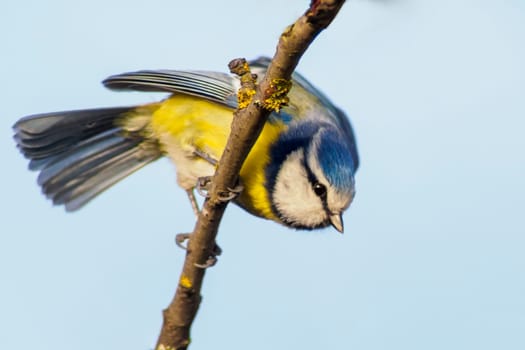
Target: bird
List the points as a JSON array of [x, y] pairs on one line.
[[300, 172]]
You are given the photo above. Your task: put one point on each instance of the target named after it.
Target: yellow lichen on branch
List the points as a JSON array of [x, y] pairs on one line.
[[277, 94], [241, 68], [185, 282]]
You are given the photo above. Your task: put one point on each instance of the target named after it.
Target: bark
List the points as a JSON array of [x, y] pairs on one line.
[[258, 102]]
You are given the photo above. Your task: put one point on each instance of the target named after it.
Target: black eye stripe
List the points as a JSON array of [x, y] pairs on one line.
[[319, 189], [309, 173]]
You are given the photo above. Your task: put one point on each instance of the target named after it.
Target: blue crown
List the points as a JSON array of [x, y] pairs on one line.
[[333, 151], [335, 159]]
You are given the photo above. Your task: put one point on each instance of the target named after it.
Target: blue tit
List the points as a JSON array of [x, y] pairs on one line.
[[300, 172]]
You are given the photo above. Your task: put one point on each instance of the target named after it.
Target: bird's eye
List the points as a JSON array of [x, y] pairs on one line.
[[319, 189]]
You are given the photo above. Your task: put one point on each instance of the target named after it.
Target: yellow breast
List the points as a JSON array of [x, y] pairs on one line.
[[182, 124]]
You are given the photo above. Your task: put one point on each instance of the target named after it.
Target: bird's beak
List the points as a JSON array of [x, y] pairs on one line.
[[337, 221]]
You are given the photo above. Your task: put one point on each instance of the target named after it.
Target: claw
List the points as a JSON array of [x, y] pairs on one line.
[[212, 259], [181, 238], [232, 193], [202, 185]]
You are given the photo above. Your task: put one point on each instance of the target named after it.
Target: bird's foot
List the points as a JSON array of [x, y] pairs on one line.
[[203, 186], [180, 238], [212, 258], [193, 201], [231, 193]]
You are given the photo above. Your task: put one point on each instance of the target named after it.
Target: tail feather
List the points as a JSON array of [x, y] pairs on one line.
[[78, 194], [68, 122], [82, 153], [43, 135], [69, 161], [38, 164]]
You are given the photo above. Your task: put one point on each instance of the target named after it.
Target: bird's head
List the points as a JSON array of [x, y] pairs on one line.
[[311, 177]]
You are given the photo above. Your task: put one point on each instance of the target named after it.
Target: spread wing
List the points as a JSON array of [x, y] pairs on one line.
[[222, 88], [213, 86]]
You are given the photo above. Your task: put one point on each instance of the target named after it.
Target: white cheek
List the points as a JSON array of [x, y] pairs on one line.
[[293, 195]]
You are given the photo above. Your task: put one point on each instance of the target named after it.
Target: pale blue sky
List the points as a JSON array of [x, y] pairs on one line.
[[433, 254]]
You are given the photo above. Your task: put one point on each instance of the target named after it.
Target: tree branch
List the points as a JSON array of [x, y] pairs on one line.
[[247, 124]]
